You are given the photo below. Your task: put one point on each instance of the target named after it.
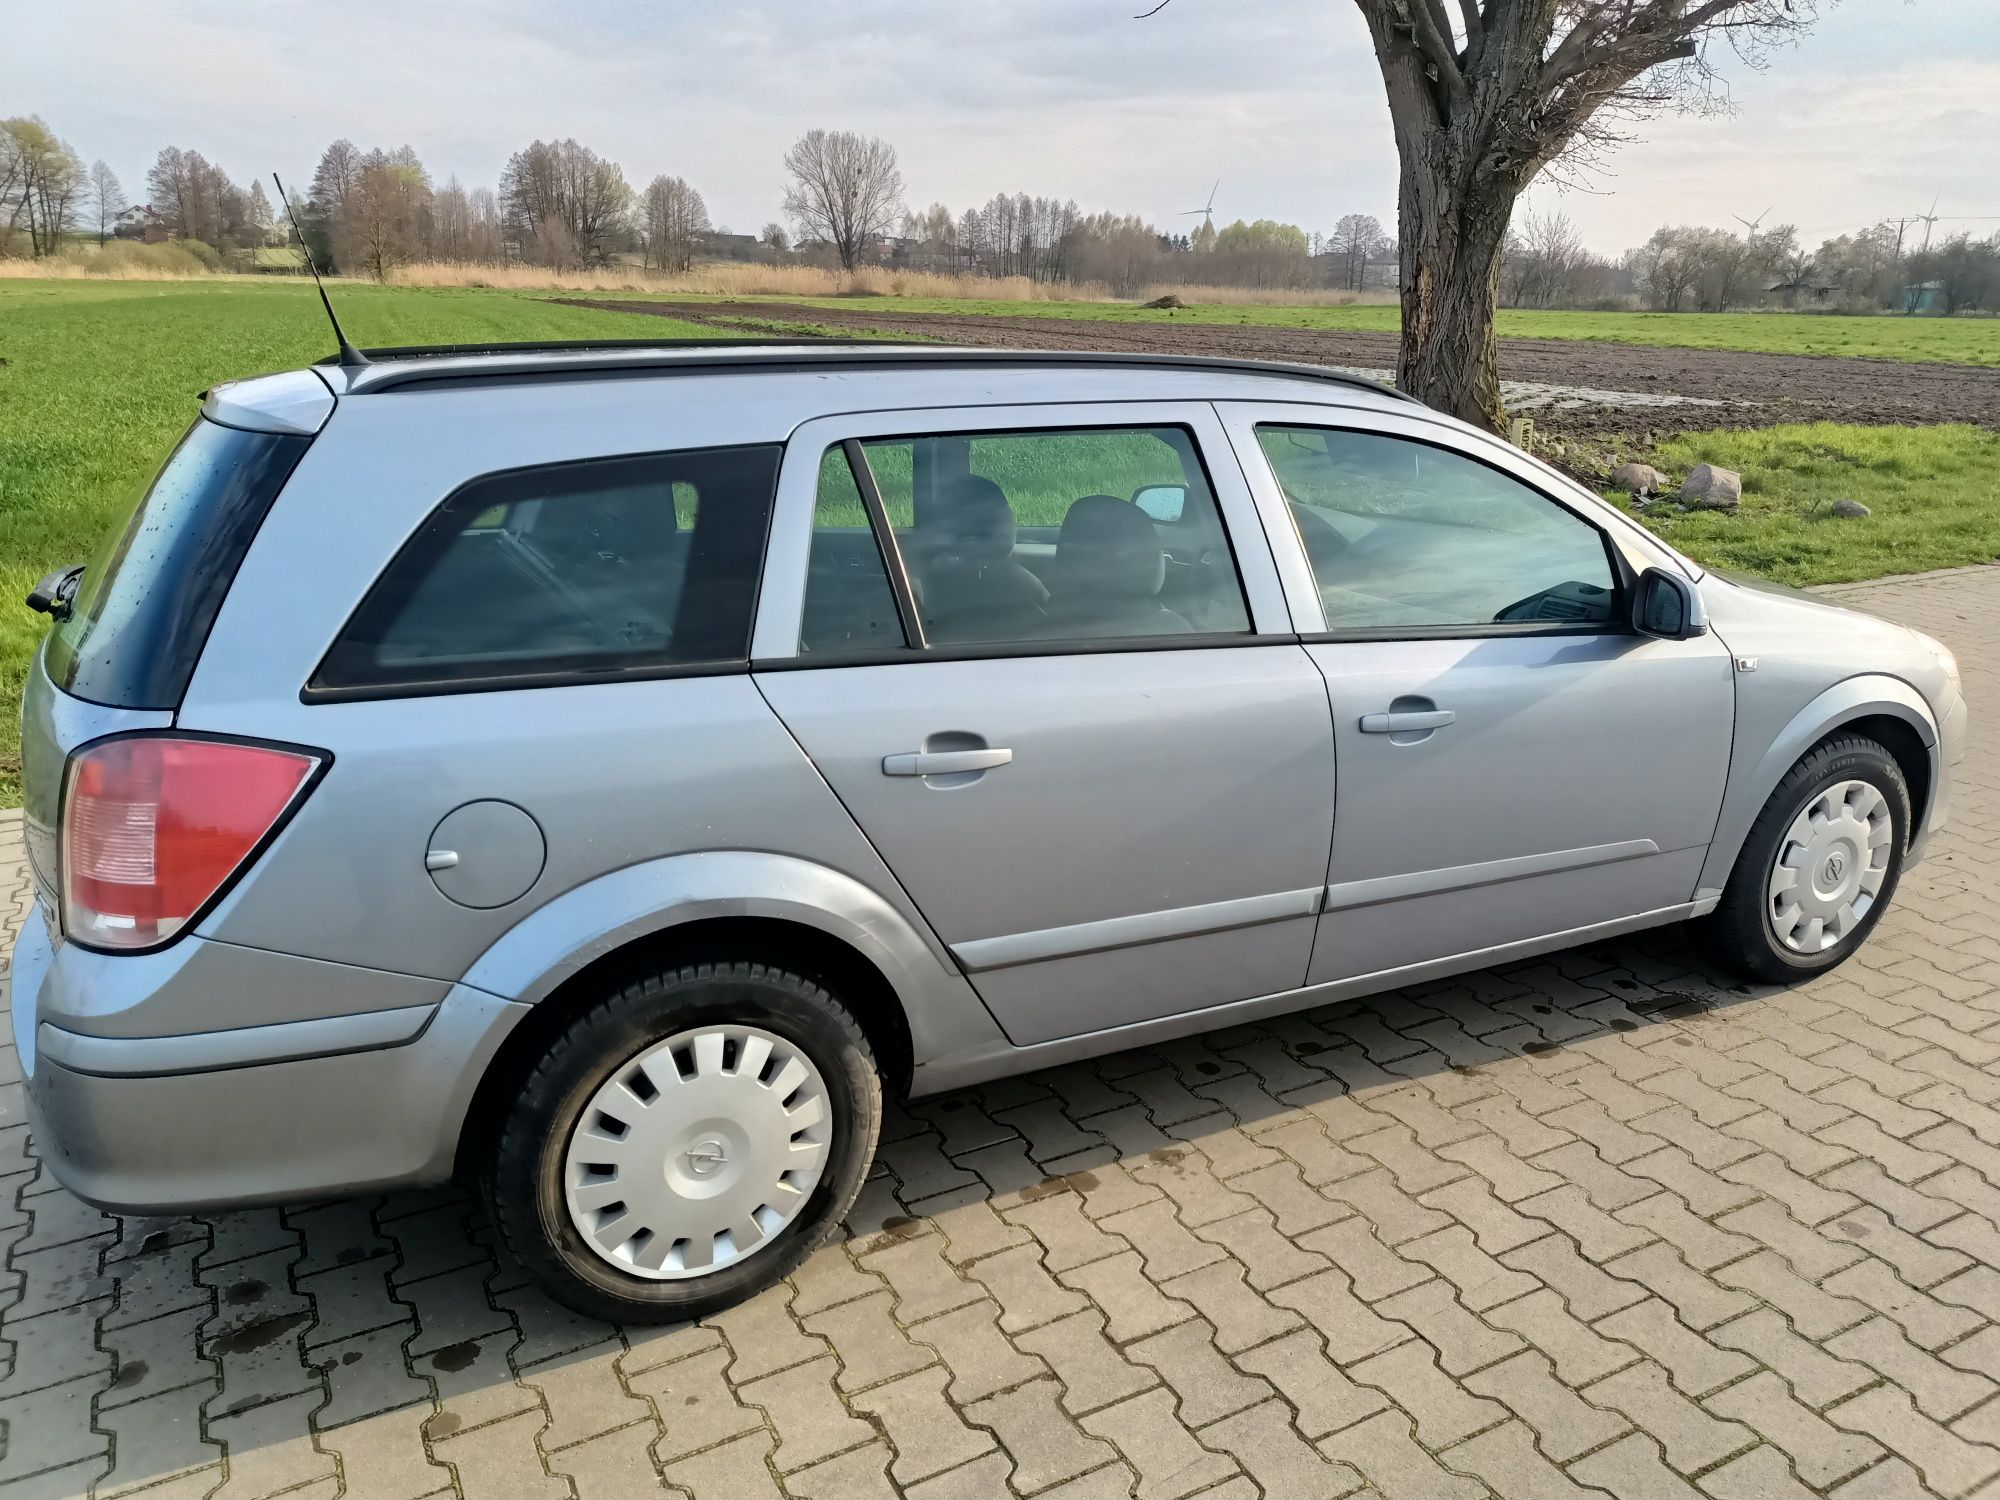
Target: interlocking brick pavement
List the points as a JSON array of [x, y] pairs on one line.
[[1596, 1223]]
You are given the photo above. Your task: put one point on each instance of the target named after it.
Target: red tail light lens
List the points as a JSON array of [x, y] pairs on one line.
[[154, 826]]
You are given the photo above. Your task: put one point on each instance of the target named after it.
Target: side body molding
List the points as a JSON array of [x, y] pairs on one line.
[[598, 917], [1750, 786]]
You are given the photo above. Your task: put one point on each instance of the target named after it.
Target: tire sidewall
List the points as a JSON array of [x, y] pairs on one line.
[[1848, 761], [605, 1041]]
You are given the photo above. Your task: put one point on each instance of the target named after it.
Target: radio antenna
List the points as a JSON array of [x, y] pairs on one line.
[[350, 357]]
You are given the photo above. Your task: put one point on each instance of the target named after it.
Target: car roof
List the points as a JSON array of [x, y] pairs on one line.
[[898, 374]]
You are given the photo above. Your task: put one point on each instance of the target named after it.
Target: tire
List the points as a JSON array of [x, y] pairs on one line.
[[704, 1144], [1754, 930]]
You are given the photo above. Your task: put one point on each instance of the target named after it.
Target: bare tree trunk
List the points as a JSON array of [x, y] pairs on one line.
[[1453, 226], [1454, 201]]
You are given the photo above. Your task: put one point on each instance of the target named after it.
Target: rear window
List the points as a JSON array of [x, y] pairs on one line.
[[147, 599], [568, 572]]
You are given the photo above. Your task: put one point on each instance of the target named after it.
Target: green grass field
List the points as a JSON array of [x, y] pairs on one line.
[[97, 379], [1962, 341], [1934, 493]]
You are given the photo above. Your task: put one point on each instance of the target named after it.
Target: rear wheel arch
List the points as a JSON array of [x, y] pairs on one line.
[[841, 969]]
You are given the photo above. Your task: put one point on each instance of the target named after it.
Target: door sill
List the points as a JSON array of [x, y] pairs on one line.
[[999, 1059]]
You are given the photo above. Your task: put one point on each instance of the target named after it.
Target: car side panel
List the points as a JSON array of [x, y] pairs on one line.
[[1798, 678], [1578, 784], [590, 920], [615, 775]]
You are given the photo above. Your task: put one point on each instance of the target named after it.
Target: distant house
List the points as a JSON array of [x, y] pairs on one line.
[[712, 245], [140, 223], [1922, 297], [1802, 293]]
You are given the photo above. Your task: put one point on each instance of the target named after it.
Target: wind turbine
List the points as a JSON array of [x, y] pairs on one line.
[[1929, 222], [1756, 225], [1207, 211]]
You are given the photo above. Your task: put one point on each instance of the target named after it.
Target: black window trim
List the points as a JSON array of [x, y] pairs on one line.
[[918, 649], [1100, 645], [891, 552], [1622, 576], [313, 692], [446, 687]]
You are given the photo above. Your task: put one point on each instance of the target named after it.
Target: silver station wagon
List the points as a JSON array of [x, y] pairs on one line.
[[608, 772]]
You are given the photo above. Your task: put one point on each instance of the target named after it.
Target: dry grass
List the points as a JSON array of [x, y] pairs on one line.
[[121, 260], [125, 262], [733, 279]]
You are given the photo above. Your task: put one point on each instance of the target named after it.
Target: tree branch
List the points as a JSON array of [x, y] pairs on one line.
[[1475, 32], [1659, 32], [1154, 11], [1426, 19]]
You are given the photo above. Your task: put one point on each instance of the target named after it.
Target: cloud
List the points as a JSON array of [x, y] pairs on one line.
[[1279, 99]]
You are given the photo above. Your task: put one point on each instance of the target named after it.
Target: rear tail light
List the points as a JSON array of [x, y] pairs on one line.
[[154, 826]]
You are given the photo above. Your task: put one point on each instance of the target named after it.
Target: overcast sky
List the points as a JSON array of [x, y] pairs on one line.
[[1885, 106]]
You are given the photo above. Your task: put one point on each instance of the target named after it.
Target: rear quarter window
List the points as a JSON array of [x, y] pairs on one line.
[[567, 572], [148, 598]]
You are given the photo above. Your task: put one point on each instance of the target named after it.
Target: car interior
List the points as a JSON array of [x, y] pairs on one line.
[[595, 561], [1105, 567]]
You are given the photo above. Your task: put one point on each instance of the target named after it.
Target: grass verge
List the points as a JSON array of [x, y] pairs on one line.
[[1933, 494]]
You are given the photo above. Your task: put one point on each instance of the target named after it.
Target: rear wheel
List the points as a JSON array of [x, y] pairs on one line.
[[1819, 866], [686, 1142]]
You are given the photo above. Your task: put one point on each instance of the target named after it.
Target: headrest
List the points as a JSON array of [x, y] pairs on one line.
[[1108, 548], [974, 522]]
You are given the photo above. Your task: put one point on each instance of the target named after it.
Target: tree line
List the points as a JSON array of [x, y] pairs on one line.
[[1696, 268], [561, 205]]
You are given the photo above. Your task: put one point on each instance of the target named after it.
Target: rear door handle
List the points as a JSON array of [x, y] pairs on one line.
[[1406, 721], [943, 762]]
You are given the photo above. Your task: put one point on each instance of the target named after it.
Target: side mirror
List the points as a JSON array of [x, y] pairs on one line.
[[1667, 606], [1163, 502]]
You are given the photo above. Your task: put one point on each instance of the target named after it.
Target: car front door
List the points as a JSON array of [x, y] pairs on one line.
[[1516, 763], [1043, 657]]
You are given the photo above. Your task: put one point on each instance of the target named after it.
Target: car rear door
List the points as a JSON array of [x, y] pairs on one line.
[[1078, 729], [1515, 761]]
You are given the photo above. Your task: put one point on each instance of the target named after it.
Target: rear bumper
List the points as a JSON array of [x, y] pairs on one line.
[[165, 1124]]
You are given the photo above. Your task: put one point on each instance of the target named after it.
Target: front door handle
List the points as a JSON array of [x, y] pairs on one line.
[[944, 762], [1406, 721]]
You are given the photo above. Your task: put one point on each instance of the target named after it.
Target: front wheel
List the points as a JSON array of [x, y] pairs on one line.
[[686, 1142], [1819, 866]]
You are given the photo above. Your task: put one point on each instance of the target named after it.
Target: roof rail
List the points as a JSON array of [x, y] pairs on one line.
[[400, 368], [593, 346]]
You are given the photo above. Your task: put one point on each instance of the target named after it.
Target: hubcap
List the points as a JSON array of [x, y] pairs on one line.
[[1830, 866], [698, 1152]]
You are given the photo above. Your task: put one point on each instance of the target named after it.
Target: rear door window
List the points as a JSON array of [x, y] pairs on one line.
[[568, 572], [1004, 539], [146, 601]]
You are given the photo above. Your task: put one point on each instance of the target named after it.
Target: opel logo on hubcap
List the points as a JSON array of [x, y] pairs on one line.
[[1835, 866], [706, 1158]]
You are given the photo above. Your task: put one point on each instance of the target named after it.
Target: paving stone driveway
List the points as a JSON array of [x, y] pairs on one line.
[[1592, 1222]]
